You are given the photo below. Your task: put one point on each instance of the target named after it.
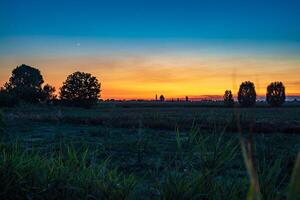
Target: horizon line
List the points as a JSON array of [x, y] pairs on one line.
[[198, 98]]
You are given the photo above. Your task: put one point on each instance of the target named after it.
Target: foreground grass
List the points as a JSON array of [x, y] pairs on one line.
[[207, 172], [28, 175], [59, 160]]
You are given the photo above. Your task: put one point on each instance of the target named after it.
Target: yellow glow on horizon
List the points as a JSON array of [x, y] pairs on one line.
[[144, 77]]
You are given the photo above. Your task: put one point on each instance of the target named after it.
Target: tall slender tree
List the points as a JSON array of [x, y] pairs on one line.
[[228, 98]]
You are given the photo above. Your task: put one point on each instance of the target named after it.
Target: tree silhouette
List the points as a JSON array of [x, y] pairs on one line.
[[80, 89], [48, 93], [275, 94], [162, 98], [228, 98], [25, 83], [186, 98], [247, 94]]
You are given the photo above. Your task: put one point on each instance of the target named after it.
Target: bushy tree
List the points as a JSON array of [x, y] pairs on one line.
[[26, 76], [25, 84], [228, 98], [275, 94], [247, 94], [80, 89], [162, 98]]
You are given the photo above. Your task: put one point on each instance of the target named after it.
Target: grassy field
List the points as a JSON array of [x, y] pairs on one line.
[[137, 150]]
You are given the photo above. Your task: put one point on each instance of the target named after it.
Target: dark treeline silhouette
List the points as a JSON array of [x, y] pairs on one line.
[[247, 95], [25, 86], [82, 89]]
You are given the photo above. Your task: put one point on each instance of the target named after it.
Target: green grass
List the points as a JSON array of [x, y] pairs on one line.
[[121, 152], [63, 174]]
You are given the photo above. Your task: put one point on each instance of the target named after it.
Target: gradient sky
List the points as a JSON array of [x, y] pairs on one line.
[[141, 48]]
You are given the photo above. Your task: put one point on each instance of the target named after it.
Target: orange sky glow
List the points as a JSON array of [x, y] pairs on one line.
[[173, 74]]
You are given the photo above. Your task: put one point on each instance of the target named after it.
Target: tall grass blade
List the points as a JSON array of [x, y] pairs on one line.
[[294, 187]]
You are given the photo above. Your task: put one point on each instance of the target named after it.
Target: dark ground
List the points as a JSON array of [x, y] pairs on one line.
[[150, 140]]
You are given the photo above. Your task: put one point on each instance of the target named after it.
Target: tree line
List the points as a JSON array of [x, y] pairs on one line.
[[275, 95], [26, 84]]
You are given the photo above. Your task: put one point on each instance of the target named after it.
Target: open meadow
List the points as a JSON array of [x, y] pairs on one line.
[[147, 150], [149, 100]]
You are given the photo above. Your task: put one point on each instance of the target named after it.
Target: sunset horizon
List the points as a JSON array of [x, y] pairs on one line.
[[149, 99], [181, 68], [139, 49]]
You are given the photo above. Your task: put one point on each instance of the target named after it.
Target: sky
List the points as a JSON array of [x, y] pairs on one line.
[[138, 49]]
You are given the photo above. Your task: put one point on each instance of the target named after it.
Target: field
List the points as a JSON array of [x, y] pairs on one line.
[[139, 150]]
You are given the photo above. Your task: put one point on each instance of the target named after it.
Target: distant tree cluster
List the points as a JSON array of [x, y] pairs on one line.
[[26, 86], [82, 89], [247, 95]]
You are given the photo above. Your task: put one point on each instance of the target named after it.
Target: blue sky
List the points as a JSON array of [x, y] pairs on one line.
[[138, 48], [210, 19]]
